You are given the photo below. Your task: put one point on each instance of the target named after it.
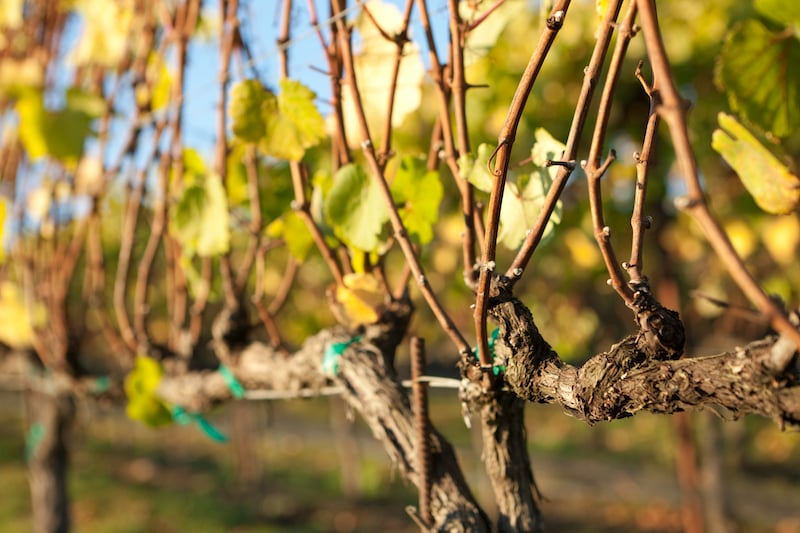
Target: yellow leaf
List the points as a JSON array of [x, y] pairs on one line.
[[17, 318], [742, 238], [582, 250], [104, 40], [360, 299], [781, 236]]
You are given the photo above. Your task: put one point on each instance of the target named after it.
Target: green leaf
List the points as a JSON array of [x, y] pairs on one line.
[[60, 134], [523, 200], [236, 178], [480, 41], [474, 169], [758, 71], [140, 388], [293, 122], [244, 110], [354, 208], [294, 232], [200, 221], [784, 12], [774, 188], [418, 194]]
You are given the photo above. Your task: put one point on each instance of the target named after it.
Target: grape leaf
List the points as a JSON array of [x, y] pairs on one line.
[[18, 318], [474, 169], [293, 123], [783, 12], [291, 228], [244, 110], [140, 388], [523, 200], [200, 221], [104, 40], [774, 188], [374, 66], [60, 134], [757, 70], [360, 299], [418, 194], [481, 41], [354, 208]]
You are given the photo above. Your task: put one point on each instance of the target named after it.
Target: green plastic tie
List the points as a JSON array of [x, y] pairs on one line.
[[233, 384], [496, 369], [184, 418], [101, 384], [330, 359], [33, 439]]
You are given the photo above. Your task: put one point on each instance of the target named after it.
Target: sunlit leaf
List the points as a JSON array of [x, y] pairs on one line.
[[474, 170], [160, 80], [60, 134], [11, 13], [758, 71], [3, 210], [293, 122], [522, 201], [774, 188], [360, 299], [294, 232], [105, 36], [19, 75], [484, 37], [17, 318], [244, 110], [200, 221], [236, 178], [374, 66], [784, 12], [354, 208], [140, 388], [781, 235], [418, 195]]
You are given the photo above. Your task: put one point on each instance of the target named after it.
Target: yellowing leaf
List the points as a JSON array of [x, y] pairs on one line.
[[140, 388], [105, 38], [360, 299], [244, 109], [160, 79], [774, 188], [742, 238], [11, 13], [17, 317], [781, 236], [582, 249], [374, 64], [293, 122], [200, 220]]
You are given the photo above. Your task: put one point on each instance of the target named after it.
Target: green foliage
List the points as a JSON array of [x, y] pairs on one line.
[[523, 196], [61, 133], [284, 126], [418, 194], [758, 71], [291, 228], [199, 220], [774, 188], [244, 110], [140, 388], [783, 12], [474, 169], [354, 208]]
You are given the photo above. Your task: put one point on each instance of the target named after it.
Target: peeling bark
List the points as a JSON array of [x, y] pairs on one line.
[[624, 380]]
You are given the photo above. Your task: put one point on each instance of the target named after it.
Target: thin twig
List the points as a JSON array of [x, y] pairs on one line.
[[400, 233], [673, 111], [639, 222], [502, 157]]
